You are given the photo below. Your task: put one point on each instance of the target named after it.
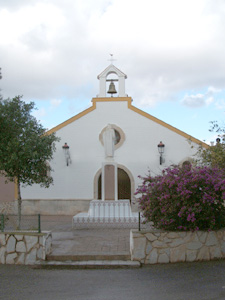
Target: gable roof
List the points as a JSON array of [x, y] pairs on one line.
[[131, 107], [111, 69]]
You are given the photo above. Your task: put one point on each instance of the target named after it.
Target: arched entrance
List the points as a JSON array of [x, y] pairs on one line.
[[124, 185]]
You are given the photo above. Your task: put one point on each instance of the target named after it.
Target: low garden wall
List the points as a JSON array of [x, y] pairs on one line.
[[24, 248], [155, 246]]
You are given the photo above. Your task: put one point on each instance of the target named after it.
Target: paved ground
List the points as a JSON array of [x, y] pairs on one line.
[[190, 281], [184, 281], [56, 223], [85, 241], [92, 242]]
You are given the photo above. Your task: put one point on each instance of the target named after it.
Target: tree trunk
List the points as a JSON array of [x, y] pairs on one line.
[[19, 201]]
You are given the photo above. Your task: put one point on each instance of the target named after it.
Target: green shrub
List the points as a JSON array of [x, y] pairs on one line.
[[187, 198]]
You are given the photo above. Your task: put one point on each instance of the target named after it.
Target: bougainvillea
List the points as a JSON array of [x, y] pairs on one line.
[[187, 198]]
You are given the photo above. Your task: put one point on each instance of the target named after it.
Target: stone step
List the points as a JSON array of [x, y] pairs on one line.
[[90, 264], [88, 257]]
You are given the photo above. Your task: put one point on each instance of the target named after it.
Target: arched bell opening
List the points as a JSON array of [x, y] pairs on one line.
[[112, 85], [105, 80]]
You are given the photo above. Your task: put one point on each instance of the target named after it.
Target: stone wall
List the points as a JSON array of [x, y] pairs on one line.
[[24, 248], [152, 247]]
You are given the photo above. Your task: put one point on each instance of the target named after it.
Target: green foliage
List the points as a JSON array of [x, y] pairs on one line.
[[24, 145], [219, 129], [214, 156], [187, 198], [0, 78]]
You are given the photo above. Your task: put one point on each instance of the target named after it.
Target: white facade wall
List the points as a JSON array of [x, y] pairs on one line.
[[138, 153]]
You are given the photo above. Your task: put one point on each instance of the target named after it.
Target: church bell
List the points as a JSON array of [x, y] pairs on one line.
[[112, 89]]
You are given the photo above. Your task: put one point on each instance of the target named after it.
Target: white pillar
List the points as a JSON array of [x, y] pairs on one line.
[[102, 87], [103, 182], [115, 179], [121, 87]]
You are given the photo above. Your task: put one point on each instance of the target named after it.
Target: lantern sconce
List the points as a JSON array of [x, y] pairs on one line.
[[66, 153], [161, 147]]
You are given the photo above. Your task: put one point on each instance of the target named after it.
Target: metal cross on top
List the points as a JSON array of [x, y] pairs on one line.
[[111, 59]]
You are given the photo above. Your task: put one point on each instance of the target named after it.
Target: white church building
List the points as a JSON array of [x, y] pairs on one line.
[[104, 149]]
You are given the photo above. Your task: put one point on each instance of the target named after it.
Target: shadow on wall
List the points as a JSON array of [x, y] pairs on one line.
[[7, 190]]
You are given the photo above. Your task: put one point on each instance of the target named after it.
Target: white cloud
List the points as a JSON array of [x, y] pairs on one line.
[[212, 90], [194, 100], [209, 101], [52, 49], [200, 100], [55, 102], [220, 104]]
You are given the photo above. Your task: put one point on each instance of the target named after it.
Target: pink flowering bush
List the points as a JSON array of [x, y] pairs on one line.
[[187, 198]]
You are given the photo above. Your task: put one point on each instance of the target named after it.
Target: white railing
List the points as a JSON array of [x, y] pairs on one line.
[[107, 214]]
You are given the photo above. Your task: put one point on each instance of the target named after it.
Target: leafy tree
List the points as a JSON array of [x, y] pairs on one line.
[[0, 78], [214, 156], [25, 146], [219, 129]]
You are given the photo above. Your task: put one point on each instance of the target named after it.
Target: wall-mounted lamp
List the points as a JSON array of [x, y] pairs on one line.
[[66, 153], [161, 151]]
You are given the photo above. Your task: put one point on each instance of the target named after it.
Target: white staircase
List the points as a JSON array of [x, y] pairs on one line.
[[109, 213]]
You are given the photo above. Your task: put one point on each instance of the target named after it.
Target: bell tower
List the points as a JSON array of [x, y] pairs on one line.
[[103, 79]]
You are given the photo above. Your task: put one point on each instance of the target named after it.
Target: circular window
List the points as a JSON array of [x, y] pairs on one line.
[[117, 134], [120, 136]]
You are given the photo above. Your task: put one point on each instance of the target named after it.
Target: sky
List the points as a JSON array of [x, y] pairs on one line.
[[173, 53]]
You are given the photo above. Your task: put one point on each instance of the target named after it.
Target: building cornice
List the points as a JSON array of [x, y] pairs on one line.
[[131, 107]]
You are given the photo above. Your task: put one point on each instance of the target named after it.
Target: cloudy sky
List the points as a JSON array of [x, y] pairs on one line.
[[173, 53]]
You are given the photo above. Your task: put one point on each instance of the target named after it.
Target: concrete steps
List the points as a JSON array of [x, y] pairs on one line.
[[88, 249], [88, 257], [89, 264], [88, 261]]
